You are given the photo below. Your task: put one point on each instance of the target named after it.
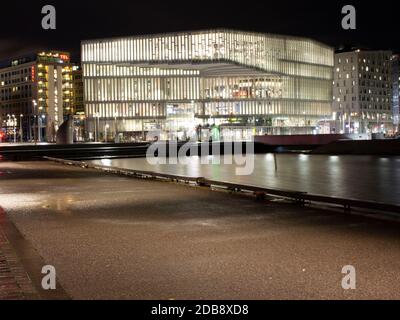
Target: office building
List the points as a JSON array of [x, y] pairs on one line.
[[37, 91], [362, 92]]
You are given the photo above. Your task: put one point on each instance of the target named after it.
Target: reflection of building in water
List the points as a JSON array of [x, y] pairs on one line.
[[237, 83]]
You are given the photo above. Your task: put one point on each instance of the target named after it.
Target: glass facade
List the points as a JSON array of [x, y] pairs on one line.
[[178, 82]]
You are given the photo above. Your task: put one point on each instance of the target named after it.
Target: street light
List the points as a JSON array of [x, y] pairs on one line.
[[14, 123], [8, 125], [34, 120], [21, 130], [39, 120], [42, 119]]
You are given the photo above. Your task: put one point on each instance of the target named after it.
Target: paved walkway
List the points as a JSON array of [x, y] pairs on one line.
[[112, 237], [14, 281]]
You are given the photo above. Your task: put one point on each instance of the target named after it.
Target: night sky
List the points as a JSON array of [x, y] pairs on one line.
[[21, 32]]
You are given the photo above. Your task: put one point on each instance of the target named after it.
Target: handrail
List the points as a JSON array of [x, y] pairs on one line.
[[298, 196], [235, 186]]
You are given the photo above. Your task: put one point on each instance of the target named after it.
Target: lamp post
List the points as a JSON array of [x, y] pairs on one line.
[[8, 125], [34, 120], [39, 129], [21, 130], [14, 123], [42, 119]]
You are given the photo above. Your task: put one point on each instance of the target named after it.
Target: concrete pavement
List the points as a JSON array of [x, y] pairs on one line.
[[111, 237], [15, 283]]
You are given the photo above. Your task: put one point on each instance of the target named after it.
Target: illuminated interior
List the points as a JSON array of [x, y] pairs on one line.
[[38, 88], [229, 79]]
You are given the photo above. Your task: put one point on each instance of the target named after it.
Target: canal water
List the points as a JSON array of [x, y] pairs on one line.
[[359, 177]]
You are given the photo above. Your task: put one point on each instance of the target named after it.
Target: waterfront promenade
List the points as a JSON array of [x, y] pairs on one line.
[[113, 237]]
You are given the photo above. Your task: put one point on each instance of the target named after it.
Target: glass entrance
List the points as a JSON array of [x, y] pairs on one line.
[[181, 123]]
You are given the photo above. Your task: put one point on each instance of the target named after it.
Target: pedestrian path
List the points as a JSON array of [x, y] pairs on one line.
[[15, 284]]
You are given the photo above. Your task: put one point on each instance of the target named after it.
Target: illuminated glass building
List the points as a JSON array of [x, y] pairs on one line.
[[35, 92], [240, 83]]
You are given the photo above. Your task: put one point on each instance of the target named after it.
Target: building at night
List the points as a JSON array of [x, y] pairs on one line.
[[36, 90], [78, 108], [234, 84], [396, 89], [362, 92], [77, 91]]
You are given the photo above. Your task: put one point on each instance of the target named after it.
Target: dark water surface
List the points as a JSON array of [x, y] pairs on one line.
[[360, 177]]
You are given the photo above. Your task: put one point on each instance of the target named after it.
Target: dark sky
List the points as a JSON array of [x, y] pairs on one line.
[[21, 32]]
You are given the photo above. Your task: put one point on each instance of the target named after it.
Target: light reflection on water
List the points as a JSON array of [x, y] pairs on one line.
[[361, 177]]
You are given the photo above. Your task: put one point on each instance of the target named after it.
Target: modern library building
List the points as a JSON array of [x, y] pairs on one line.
[[224, 83]]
